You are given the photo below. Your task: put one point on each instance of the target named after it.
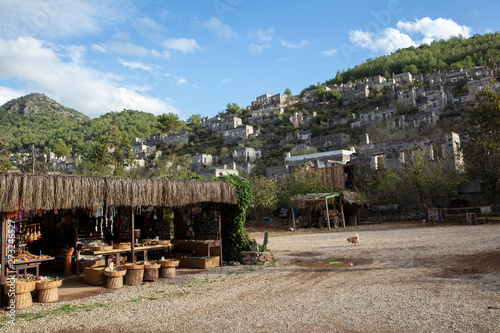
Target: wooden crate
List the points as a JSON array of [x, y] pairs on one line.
[[200, 262]]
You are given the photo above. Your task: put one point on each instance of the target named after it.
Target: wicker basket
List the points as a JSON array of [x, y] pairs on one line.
[[121, 246], [167, 272], [23, 287], [49, 284], [102, 248], [117, 272], [48, 295], [151, 271], [94, 276], [115, 278], [169, 262], [23, 300], [135, 274]]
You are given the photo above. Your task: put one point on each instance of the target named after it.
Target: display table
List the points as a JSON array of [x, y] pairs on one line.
[[117, 252], [206, 253], [27, 264]]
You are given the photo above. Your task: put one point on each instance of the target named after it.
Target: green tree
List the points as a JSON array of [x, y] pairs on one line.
[[288, 92], [174, 167], [169, 123], [60, 148], [194, 120], [333, 96], [482, 149], [233, 108], [320, 91], [413, 69], [265, 197]]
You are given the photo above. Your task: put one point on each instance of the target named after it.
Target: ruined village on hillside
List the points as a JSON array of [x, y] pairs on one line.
[[430, 93]]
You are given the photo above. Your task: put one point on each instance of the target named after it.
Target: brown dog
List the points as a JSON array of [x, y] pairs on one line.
[[354, 240]]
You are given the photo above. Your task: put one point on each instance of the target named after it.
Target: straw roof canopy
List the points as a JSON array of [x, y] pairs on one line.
[[48, 192], [315, 200]]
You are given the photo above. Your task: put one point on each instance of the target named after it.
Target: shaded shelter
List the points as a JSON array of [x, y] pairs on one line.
[[50, 193], [325, 207]]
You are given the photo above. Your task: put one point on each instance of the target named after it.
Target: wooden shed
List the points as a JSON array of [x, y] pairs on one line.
[[324, 208]]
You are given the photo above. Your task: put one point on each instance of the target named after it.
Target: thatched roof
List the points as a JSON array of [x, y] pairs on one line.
[[314, 200], [48, 192]]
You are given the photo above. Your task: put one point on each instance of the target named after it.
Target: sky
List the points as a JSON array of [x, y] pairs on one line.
[[193, 57]]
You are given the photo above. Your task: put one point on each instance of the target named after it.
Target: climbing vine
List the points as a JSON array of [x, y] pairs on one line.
[[234, 235]]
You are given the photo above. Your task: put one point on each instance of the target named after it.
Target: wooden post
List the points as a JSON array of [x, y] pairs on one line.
[[342, 211], [293, 218], [328, 214], [309, 215], [220, 234], [132, 236], [4, 252]]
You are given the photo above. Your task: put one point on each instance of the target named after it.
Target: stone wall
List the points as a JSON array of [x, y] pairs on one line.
[[254, 258]]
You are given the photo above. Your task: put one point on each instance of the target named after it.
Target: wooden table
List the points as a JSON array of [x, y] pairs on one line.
[[200, 247], [117, 252], [26, 264]]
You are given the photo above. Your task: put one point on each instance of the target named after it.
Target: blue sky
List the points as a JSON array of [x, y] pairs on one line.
[[191, 57]]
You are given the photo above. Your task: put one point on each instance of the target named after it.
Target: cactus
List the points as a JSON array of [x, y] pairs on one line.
[[263, 247]]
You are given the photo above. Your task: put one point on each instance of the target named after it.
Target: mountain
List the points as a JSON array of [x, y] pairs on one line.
[[39, 120], [41, 105]]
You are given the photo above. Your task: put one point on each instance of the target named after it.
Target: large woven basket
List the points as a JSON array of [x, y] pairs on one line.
[[169, 262], [48, 295], [23, 300], [49, 284], [23, 287], [116, 272], [135, 274]]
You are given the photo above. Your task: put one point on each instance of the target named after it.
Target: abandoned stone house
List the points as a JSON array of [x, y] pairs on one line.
[[304, 135], [418, 120], [230, 121], [219, 171], [370, 117], [245, 155], [201, 161], [265, 114], [181, 137], [237, 135], [319, 160], [266, 100], [395, 154], [333, 140], [299, 119]]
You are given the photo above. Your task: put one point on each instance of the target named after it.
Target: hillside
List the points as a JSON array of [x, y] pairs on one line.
[[454, 53], [39, 120]]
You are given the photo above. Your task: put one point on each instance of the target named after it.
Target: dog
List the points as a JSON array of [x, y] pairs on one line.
[[354, 240]]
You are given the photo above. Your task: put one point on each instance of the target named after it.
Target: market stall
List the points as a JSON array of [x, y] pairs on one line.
[[99, 217], [330, 209]]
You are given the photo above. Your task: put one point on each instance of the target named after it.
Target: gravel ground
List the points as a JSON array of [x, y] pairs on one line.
[[407, 278]]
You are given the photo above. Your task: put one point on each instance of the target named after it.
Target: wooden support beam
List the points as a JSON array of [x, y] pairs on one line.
[[132, 235]]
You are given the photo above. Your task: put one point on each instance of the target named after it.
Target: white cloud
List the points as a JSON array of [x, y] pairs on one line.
[[130, 49], [328, 53], [292, 45], [226, 80], [87, 90], [424, 30], [262, 36], [182, 80], [439, 28], [137, 65], [388, 40], [257, 48], [58, 18], [183, 45], [7, 94], [224, 31]]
